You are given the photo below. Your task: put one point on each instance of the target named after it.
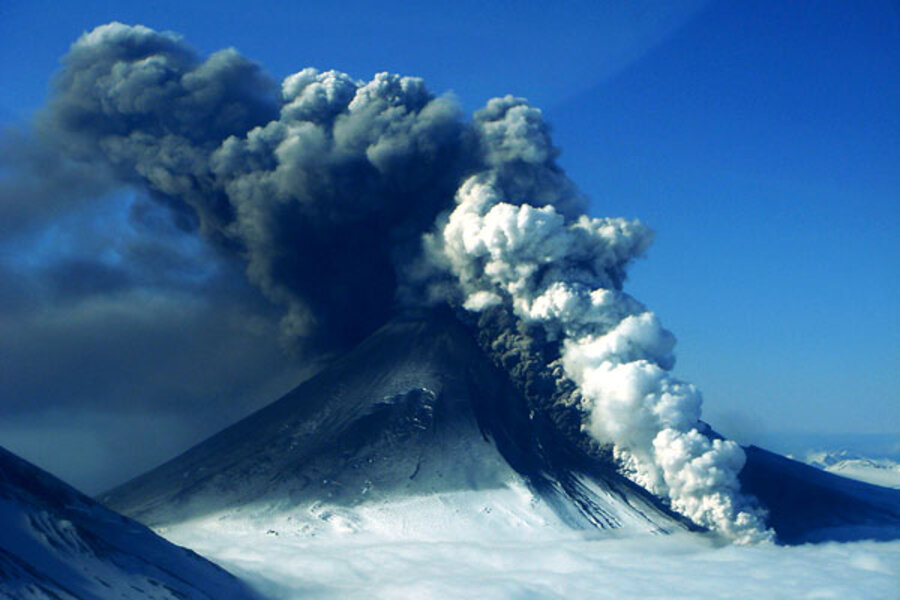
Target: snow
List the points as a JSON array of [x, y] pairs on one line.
[[877, 471], [884, 473], [57, 543]]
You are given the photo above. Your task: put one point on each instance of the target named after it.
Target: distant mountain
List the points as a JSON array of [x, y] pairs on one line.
[[56, 543], [807, 504], [878, 471], [884, 472], [417, 419]]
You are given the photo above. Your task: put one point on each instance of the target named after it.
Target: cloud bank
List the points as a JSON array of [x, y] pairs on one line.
[[543, 565]]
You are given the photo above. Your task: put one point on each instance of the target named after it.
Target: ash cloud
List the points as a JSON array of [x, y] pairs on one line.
[[324, 189], [115, 323], [39, 183], [322, 186]]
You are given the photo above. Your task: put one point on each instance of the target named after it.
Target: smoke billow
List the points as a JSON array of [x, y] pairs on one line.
[[346, 197], [509, 245], [323, 186]]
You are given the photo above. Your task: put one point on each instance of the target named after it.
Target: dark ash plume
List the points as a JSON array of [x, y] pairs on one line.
[[326, 186]]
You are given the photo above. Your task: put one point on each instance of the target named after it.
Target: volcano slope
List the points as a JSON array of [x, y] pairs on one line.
[[416, 413], [415, 431], [57, 543]]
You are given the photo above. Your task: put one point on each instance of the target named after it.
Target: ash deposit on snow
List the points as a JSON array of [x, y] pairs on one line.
[[351, 200]]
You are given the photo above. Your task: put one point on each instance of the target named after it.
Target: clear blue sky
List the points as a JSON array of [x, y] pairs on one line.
[[761, 140]]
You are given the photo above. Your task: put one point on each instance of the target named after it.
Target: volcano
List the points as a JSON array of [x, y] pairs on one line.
[[416, 411], [416, 430]]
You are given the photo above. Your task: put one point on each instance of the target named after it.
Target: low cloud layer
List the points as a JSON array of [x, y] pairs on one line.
[[544, 565]]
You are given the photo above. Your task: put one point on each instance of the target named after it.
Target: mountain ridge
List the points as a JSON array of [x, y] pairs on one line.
[[59, 543]]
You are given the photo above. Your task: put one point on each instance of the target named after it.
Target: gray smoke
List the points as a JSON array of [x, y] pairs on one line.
[[326, 187], [323, 186]]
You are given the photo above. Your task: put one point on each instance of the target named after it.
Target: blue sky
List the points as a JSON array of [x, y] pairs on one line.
[[760, 140]]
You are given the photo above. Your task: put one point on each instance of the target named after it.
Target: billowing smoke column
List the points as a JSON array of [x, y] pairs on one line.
[[326, 187], [510, 245], [322, 187]]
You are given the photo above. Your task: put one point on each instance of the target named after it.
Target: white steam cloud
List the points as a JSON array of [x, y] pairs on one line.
[[564, 274]]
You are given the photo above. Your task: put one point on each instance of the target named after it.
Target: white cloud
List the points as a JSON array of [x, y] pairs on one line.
[[537, 564]]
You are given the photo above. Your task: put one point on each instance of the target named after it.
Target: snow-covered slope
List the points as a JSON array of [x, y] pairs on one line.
[[57, 543], [411, 431], [878, 471], [881, 472]]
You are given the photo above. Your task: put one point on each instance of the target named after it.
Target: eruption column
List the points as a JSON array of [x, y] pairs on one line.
[[324, 188], [565, 274]]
